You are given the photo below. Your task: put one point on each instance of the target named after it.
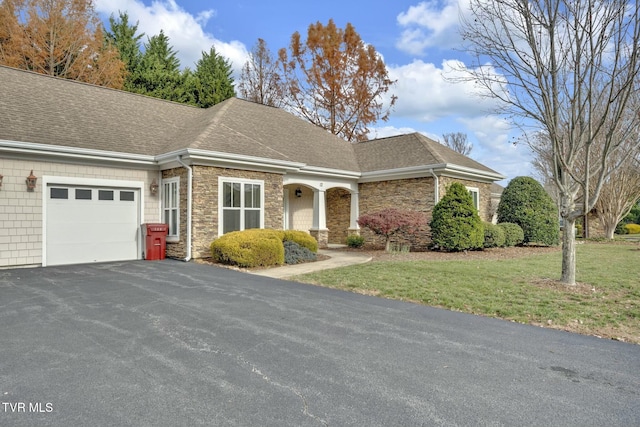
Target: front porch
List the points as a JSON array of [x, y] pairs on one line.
[[326, 210]]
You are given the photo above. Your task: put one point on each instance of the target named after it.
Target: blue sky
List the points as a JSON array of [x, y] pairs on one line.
[[418, 40]]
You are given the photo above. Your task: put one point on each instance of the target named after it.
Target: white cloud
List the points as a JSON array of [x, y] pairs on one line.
[[427, 93], [495, 146], [430, 23], [185, 30]]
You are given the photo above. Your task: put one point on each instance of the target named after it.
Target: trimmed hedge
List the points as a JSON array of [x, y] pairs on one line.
[[513, 234], [249, 248], [493, 236], [455, 224], [526, 203], [633, 228], [260, 247]]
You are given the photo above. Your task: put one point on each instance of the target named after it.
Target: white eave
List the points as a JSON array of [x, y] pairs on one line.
[[328, 172], [227, 160], [425, 170], [61, 153]]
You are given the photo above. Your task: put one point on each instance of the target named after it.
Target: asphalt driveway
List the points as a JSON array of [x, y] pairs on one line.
[[176, 344]]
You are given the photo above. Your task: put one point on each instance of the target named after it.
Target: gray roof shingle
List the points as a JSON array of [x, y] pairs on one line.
[[410, 150], [41, 109]]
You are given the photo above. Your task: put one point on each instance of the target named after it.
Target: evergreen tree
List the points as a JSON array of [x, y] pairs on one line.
[[525, 202], [213, 79], [455, 223], [159, 72], [123, 36]]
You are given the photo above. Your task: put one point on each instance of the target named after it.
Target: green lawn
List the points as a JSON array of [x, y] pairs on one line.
[[606, 302]]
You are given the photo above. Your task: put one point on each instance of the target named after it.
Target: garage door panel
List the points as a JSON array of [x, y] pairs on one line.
[[87, 224]]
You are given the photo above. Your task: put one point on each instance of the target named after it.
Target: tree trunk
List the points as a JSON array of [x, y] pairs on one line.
[[569, 252], [609, 231]]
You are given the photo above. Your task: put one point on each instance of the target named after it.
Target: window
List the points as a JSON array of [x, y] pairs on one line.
[[241, 204], [105, 194], [171, 205], [59, 193], [82, 194], [475, 195], [127, 196]]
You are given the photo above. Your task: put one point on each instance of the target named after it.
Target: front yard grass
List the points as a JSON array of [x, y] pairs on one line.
[[605, 302]]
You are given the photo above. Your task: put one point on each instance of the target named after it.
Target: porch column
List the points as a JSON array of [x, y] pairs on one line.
[[319, 229], [355, 213]]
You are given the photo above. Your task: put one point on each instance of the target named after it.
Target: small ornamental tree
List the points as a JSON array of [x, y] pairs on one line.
[[456, 225], [525, 202], [389, 222]]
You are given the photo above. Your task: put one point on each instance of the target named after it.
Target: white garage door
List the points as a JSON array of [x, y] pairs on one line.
[[91, 224]]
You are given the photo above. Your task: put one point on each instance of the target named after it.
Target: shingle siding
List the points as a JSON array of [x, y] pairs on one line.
[[21, 211]]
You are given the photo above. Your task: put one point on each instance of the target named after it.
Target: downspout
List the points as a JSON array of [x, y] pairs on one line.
[[189, 202], [436, 187]]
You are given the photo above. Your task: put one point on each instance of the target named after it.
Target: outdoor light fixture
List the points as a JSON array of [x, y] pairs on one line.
[[298, 192], [153, 188], [31, 181], [1, 180]]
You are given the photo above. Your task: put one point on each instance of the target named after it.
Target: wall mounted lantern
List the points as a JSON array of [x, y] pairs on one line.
[[298, 192], [153, 188], [31, 181], [1, 181]]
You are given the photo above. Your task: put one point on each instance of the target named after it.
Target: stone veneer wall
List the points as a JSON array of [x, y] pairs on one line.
[[409, 194], [338, 214], [414, 194], [178, 249], [205, 203]]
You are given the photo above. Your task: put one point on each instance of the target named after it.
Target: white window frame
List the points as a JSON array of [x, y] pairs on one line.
[[172, 206], [242, 209], [476, 199]]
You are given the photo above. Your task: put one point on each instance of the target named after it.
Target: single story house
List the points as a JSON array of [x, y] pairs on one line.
[[82, 167]]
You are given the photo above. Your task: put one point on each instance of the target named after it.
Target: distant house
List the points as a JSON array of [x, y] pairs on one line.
[[107, 161]]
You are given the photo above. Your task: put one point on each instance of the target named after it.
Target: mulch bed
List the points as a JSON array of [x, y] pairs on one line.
[[378, 254]]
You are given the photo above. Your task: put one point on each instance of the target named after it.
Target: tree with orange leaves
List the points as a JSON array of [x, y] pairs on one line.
[[335, 80], [61, 38]]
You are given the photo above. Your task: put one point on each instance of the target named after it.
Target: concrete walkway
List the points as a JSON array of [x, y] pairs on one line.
[[337, 259]]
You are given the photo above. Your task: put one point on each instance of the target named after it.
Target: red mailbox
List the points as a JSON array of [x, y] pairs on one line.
[[155, 241]]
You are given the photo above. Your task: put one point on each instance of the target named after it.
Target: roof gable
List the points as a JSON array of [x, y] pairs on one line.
[[411, 150]]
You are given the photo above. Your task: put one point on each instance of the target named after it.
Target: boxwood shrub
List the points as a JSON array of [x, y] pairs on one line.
[[493, 235], [513, 234], [355, 241], [261, 247], [633, 228], [249, 248], [526, 203]]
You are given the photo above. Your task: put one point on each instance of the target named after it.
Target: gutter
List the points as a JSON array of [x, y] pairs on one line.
[[189, 203], [436, 186]]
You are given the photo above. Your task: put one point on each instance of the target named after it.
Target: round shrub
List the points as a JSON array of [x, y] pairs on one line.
[[633, 228], [525, 202], [493, 236], [513, 234], [355, 241], [249, 248], [302, 238], [295, 254], [455, 223]]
